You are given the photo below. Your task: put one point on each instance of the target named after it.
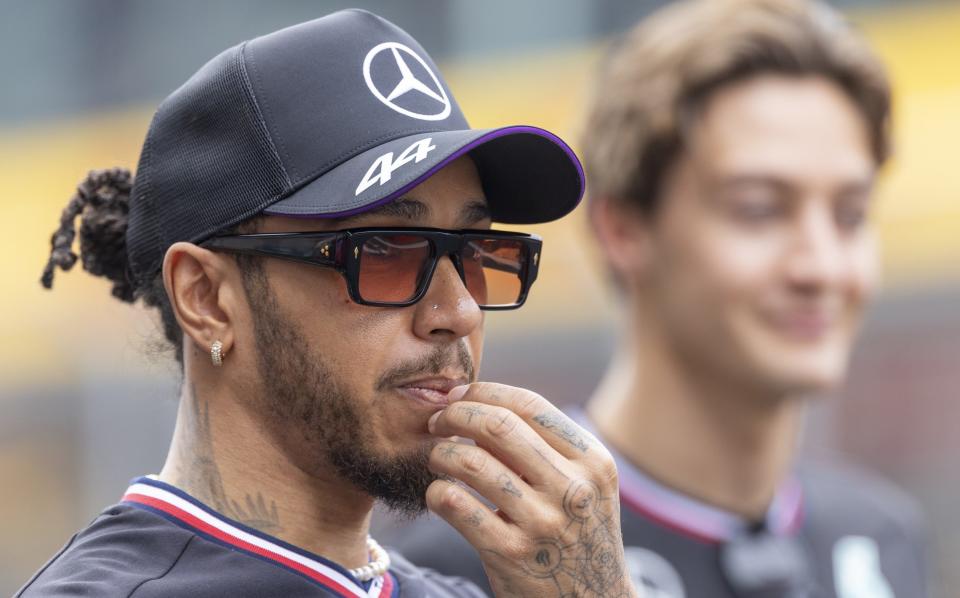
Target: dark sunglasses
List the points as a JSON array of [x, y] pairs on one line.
[[392, 267]]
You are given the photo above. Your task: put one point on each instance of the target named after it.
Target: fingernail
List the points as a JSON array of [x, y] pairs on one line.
[[456, 393], [432, 422]]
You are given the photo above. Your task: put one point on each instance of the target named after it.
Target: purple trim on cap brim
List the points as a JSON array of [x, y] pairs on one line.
[[460, 152]]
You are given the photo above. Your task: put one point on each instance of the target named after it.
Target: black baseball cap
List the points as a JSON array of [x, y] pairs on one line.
[[325, 119]]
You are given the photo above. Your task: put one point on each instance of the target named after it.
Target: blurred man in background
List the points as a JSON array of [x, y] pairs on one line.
[[732, 150], [311, 217]]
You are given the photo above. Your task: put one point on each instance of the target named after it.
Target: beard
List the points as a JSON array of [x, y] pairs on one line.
[[304, 398]]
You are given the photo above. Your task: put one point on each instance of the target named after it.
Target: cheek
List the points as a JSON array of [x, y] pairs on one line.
[[864, 276], [309, 291], [343, 334], [368, 337], [699, 286], [717, 267], [475, 343], [742, 266]]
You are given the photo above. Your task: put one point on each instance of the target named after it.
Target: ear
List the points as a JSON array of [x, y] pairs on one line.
[[625, 236], [203, 294]]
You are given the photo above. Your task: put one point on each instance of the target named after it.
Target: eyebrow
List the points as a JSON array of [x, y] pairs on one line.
[[780, 184], [413, 210], [750, 180], [474, 212]]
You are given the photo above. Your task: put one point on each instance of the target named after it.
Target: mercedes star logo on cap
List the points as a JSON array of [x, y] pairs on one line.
[[408, 83]]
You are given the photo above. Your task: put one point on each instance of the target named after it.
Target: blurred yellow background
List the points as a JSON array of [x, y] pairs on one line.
[[88, 403]]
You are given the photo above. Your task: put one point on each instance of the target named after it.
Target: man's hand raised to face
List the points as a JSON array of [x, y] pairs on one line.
[[556, 527]]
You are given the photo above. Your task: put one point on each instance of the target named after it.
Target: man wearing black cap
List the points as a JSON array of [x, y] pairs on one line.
[[311, 216]]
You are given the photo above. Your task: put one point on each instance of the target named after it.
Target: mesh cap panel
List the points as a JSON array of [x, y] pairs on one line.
[[206, 148]]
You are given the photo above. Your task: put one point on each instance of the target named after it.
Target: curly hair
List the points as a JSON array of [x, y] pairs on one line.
[[102, 201]]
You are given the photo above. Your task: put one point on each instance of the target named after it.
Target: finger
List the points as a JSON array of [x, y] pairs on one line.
[[502, 433], [484, 473], [475, 521], [556, 427]]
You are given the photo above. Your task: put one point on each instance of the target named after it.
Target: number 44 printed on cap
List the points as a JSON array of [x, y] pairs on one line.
[[383, 167]]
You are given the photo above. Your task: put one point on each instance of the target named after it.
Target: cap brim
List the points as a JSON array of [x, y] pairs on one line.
[[529, 175]]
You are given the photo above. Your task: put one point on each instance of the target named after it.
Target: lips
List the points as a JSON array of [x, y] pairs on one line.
[[806, 326], [431, 390]]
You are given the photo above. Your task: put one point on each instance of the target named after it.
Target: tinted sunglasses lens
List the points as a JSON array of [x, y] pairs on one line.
[[492, 268], [392, 266]]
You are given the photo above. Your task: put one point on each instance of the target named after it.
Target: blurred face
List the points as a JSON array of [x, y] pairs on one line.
[[351, 387], [762, 253]]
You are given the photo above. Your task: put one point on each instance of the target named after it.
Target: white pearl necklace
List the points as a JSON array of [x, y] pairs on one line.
[[378, 565]]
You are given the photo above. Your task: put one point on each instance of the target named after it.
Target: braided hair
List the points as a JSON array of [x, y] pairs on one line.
[[102, 202]]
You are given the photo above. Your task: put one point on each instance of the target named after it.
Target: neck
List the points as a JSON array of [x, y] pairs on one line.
[[703, 437], [225, 458]]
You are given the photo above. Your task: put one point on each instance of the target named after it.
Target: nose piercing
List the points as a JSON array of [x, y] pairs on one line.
[[436, 306]]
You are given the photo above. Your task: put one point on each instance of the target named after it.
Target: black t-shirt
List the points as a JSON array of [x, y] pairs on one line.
[[828, 533], [161, 542]]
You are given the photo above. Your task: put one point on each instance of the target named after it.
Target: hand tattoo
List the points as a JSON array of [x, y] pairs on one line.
[[563, 429], [475, 518], [584, 559], [507, 485], [471, 411]]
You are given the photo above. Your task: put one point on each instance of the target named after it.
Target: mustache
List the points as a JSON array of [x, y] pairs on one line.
[[453, 356]]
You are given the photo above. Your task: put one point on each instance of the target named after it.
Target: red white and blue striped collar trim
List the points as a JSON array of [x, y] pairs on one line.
[[182, 509], [693, 518]]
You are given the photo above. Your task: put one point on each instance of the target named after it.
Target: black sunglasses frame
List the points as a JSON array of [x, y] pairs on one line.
[[341, 251]]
